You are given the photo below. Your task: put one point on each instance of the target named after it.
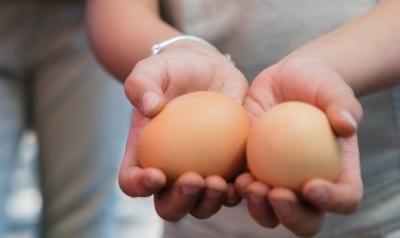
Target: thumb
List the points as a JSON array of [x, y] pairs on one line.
[[341, 106], [144, 86]]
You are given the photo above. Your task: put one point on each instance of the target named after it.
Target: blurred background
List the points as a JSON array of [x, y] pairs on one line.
[[24, 203]]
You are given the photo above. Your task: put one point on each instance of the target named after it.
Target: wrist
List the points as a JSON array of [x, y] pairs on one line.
[[310, 63], [190, 45], [188, 42], [182, 41], [313, 56]]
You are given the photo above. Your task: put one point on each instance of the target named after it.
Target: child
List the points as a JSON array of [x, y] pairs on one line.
[[359, 58]]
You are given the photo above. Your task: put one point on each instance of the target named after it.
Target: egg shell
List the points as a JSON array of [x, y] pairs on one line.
[[292, 143], [203, 132]]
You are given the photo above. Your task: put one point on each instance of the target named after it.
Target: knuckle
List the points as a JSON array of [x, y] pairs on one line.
[[352, 208], [133, 76], [273, 223], [353, 204], [232, 202], [141, 64], [267, 223], [346, 208], [132, 187], [308, 227], [359, 109], [138, 70], [168, 216], [306, 233], [200, 216], [136, 80], [310, 231], [127, 189], [203, 214], [129, 88]]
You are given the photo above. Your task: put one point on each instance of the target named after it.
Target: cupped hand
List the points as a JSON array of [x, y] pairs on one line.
[[312, 81], [179, 69]]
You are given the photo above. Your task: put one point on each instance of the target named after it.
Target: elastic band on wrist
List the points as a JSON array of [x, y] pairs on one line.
[[157, 48]]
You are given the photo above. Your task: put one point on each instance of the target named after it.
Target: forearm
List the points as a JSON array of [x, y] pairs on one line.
[[365, 52], [122, 32]]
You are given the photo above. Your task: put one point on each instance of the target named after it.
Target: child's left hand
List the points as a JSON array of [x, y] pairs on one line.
[[309, 80]]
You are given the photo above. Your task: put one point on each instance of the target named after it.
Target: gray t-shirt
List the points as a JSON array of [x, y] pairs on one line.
[[258, 33]]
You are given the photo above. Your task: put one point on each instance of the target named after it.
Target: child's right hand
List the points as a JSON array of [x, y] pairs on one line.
[[179, 69]]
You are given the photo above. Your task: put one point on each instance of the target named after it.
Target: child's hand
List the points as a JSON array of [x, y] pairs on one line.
[[179, 69], [312, 81]]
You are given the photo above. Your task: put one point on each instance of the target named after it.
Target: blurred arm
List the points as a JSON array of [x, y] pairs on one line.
[[365, 52], [122, 32]]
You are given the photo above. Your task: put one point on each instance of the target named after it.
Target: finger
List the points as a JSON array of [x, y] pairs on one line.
[[138, 182], [301, 219], [234, 84], [232, 197], [133, 180], [178, 200], [317, 83], [341, 106], [242, 182], [344, 196], [261, 96], [212, 199], [137, 125], [144, 85], [258, 206]]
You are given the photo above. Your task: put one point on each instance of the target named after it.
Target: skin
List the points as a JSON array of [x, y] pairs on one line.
[[358, 58], [191, 193], [303, 213], [154, 81]]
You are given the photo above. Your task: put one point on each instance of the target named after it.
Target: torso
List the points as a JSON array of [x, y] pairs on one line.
[[257, 34]]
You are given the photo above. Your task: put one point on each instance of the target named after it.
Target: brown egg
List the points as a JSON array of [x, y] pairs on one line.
[[292, 143], [202, 132]]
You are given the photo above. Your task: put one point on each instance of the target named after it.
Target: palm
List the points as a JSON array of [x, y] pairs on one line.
[[190, 70]]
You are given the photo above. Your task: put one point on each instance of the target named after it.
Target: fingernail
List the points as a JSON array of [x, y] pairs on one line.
[[318, 195], [211, 193], [349, 118], [283, 208], [190, 190], [258, 200], [149, 182], [149, 101]]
